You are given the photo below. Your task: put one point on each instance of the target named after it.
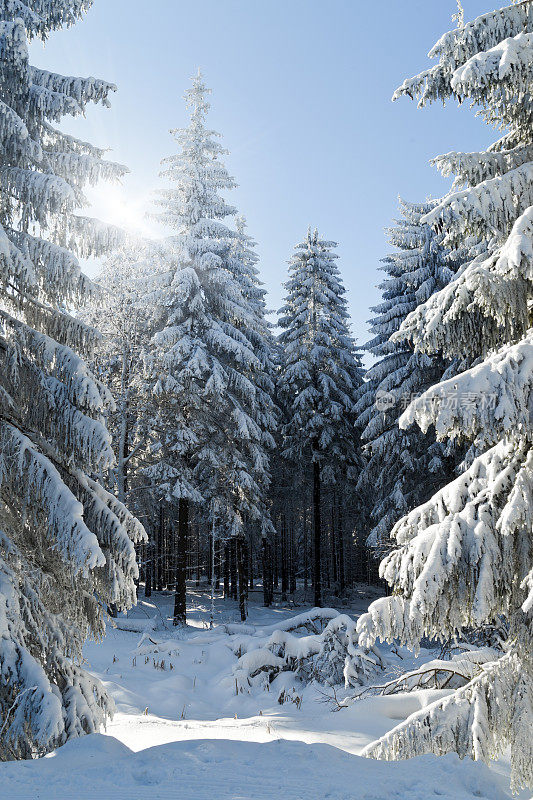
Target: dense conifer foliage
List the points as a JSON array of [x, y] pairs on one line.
[[66, 544], [160, 433], [319, 377], [465, 557], [403, 467]]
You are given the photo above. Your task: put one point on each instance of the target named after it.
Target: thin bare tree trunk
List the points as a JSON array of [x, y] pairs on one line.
[[226, 570], [284, 565], [158, 556], [293, 556], [149, 569], [342, 573], [250, 563], [198, 554], [305, 549], [268, 588], [122, 454]]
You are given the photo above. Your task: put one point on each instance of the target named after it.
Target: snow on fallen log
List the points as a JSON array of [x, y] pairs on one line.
[[313, 621], [134, 625], [257, 661], [438, 673]]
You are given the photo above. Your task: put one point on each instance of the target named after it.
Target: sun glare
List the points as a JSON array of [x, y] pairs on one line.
[[111, 203]]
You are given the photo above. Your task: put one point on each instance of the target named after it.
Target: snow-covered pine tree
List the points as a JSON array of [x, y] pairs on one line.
[[127, 321], [319, 378], [259, 332], [125, 326], [465, 557], [403, 468], [210, 355], [66, 545], [261, 337]]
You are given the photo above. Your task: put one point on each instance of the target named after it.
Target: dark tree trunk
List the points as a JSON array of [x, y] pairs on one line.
[[233, 568], [306, 550], [333, 544], [209, 565], [240, 546], [219, 549], [198, 555], [292, 561], [180, 591], [158, 555], [251, 563], [149, 569], [268, 589], [317, 581], [168, 555], [189, 557], [326, 573], [284, 564], [274, 557], [342, 575]]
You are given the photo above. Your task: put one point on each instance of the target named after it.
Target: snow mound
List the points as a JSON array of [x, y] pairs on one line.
[[100, 766]]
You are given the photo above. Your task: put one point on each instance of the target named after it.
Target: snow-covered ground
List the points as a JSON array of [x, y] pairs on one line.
[[182, 730]]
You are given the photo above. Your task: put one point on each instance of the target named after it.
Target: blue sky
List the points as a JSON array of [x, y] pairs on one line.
[[301, 94]]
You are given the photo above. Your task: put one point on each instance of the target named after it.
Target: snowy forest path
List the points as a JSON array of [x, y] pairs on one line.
[[183, 732]]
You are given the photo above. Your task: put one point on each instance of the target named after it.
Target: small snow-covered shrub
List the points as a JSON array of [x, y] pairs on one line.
[[332, 657], [341, 659]]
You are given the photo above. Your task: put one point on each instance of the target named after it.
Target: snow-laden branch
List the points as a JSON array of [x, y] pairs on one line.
[[493, 711], [487, 301], [486, 403]]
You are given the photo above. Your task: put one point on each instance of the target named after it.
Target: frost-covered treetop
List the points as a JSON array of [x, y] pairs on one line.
[[195, 214], [321, 371], [212, 357], [196, 99]]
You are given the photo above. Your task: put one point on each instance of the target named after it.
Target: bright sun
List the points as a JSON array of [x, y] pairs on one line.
[[110, 203]]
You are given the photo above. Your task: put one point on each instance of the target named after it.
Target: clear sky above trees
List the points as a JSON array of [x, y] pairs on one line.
[[301, 94]]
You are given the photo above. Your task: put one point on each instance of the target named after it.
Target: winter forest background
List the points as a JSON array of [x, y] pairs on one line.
[[345, 514]]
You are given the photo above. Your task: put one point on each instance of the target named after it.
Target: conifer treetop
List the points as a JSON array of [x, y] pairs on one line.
[[321, 370], [212, 357]]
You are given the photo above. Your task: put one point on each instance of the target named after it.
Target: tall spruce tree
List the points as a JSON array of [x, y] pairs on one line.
[[210, 354], [66, 544], [465, 557], [404, 468], [319, 378], [261, 338]]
